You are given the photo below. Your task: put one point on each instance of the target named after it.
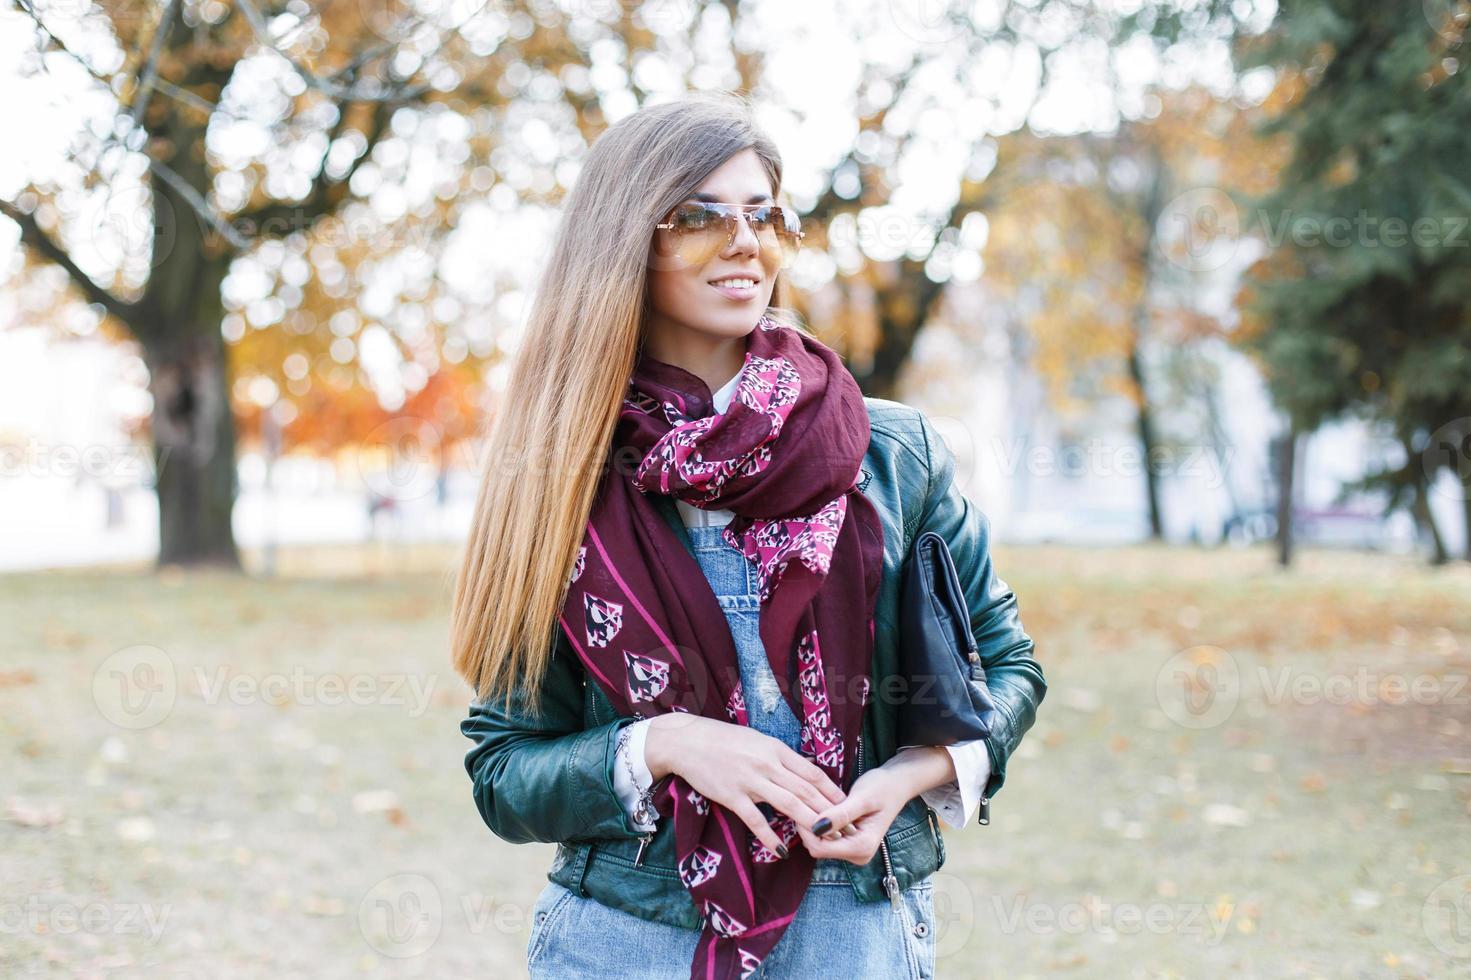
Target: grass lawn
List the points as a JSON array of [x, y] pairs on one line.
[[1236, 772]]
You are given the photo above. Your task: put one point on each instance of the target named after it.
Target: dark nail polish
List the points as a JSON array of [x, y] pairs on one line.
[[822, 826], [781, 850]]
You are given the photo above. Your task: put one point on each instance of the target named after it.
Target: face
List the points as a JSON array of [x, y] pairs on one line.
[[684, 297]]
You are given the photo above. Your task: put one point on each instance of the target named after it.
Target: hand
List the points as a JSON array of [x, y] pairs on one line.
[[863, 818], [743, 770]]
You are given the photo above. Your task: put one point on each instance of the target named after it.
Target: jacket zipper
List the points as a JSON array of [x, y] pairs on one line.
[[891, 883], [644, 838]]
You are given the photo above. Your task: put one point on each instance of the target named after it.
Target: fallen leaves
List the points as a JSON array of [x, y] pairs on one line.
[[16, 678], [384, 801], [136, 829], [38, 815], [1226, 815]]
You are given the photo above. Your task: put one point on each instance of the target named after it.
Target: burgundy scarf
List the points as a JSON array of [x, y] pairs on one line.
[[784, 456]]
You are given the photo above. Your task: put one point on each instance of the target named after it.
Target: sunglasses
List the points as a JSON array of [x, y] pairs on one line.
[[696, 231]]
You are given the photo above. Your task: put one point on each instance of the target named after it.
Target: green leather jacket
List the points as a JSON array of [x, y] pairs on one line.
[[550, 777]]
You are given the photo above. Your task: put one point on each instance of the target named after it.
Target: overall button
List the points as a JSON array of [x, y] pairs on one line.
[[921, 930]]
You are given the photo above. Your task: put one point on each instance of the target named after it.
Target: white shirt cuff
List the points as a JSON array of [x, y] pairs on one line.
[[623, 783], [957, 800]]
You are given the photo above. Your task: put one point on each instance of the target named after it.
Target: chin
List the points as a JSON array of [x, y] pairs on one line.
[[731, 321]]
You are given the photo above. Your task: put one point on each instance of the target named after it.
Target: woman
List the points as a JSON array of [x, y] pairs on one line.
[[679, 595]]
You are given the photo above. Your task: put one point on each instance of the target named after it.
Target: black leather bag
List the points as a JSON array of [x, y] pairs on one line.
[[945, 699]]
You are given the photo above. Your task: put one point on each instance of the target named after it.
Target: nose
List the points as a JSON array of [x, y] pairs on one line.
[[744, 240]]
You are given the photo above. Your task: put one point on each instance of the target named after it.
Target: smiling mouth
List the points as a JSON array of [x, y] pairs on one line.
[[737, 288]]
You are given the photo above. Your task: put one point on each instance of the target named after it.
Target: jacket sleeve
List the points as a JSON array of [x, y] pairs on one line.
[[546, 777], [1012, 674]]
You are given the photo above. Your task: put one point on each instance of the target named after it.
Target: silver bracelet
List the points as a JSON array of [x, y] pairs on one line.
[[643, 811]]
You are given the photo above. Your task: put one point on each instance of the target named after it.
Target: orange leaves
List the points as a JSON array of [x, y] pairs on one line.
[[329, 417]]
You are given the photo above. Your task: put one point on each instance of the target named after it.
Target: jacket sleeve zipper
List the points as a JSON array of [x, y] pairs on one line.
[[891, 883], [644, 838]]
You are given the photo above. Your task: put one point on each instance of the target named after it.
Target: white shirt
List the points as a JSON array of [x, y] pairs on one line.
[[954, 801]]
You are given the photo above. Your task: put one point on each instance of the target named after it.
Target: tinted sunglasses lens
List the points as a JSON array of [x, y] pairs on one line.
[[778, 228], [698, 233]]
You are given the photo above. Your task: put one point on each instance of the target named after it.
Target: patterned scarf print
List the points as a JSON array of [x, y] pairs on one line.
[[784, 456]]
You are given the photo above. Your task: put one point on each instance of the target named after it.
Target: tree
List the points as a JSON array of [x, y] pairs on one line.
[[180, 66], [895, 262], [1085, 246], [247, 168], [304, 170], [1360, 307]]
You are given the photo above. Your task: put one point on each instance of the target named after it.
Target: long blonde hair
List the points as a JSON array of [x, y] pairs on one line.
[[548, 443]]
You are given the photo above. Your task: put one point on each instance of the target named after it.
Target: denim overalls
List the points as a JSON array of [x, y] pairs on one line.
[[832, 935]]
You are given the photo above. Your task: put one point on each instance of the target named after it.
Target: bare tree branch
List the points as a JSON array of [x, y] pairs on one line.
[[327, 85], [162, 85], [35, 237], [320, 199], [190, 99], [30, 11], [149, 74], [351, 69], [198, 204]]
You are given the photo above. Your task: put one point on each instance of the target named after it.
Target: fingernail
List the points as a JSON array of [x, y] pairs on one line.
[[822, 826], [781, 850]]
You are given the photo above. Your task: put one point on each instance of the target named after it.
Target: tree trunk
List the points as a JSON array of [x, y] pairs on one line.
[[1438, 553], [907, 299], [193, 451], [1286, 468], [1150, 207], [1145, 422], [1426, 521], [193, 427], [1219, 444]]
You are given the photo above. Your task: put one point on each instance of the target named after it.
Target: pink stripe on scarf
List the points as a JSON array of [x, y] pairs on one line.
[[734, 852], [586, 661], [613, 571]]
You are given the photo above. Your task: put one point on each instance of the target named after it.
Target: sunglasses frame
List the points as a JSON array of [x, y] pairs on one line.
[[739, 211]]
